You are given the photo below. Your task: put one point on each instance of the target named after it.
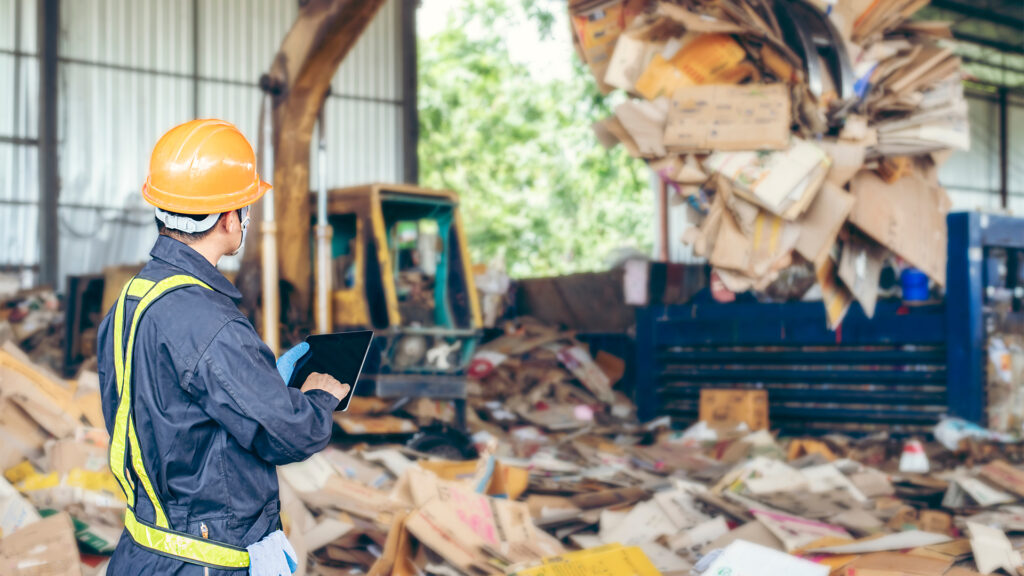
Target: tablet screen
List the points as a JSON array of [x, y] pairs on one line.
[[340, 355]]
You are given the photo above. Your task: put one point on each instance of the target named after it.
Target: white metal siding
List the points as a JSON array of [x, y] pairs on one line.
[[128, 72]]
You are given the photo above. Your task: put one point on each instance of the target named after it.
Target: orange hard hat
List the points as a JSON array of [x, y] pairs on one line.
[[203, 167]]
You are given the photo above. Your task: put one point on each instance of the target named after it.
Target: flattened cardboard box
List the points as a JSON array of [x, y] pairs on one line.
[[907, 217], [46, 547], [860, 269], [723, 117], [820, 226]]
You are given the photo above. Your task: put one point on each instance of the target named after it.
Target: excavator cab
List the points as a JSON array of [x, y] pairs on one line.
[[401, 268]]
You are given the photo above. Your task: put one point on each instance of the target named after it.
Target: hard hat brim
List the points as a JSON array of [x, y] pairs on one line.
[[214, 204]]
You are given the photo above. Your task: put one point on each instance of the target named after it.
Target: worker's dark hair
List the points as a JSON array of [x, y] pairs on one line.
[[187, 238]]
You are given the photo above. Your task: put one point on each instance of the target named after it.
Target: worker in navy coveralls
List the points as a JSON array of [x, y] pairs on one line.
[[194, 401]]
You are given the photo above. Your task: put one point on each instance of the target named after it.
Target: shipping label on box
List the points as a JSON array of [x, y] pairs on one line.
[[717, 117], [727, 407]]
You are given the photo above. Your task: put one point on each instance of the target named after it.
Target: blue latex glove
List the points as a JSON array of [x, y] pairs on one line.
[[272, 556], [286, 364]]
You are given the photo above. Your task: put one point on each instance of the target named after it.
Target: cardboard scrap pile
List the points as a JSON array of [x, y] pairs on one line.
[[646, 501], [786, 157], [31, 319], [540, 375], [56, 487], [610, 497]]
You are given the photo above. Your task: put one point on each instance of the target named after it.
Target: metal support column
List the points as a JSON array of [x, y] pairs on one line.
[[49, 168], [645, 392], [195, 59], [410, 86], [1004, 150], [965, 346]]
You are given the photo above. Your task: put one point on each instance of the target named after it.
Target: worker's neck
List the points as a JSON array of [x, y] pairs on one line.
[[210, 248]]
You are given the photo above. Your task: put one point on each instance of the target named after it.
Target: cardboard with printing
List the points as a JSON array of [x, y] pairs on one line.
[[707, 59], [783, 182], [724, 407], [724, 117], [435, 527]]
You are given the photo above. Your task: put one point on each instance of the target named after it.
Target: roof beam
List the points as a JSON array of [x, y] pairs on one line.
[[993, 16], [989, 42]]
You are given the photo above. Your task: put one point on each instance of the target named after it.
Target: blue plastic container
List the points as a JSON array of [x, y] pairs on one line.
[[915, 285]]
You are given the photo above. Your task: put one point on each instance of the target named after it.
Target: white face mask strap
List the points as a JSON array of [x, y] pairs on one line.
[[185, 224], [243, 217]]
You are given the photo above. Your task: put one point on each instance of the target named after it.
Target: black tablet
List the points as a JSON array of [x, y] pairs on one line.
[[340, 355]]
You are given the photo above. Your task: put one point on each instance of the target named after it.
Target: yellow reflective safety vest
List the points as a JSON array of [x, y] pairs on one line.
[[125, 451]]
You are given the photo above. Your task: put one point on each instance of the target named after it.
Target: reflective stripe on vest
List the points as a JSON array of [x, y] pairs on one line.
[[158, 536]]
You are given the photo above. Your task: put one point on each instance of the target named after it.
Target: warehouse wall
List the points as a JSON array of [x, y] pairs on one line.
[[972, 177], [130, 70], [19, 88]]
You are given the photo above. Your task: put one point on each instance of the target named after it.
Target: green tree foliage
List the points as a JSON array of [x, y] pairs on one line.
[[536, 186]]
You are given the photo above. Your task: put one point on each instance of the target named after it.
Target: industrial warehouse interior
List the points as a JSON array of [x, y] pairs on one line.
[[512, 287]]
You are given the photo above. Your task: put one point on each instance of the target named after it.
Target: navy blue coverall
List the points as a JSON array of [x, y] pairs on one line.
[[213, 417]]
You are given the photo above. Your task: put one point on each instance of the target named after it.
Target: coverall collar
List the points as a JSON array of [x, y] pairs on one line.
[[180, 255]]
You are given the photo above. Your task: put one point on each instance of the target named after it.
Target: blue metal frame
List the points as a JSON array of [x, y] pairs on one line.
[[901, 370], [971, 235]]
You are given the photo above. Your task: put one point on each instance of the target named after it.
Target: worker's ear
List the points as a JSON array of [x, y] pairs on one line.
[[229, 222]]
